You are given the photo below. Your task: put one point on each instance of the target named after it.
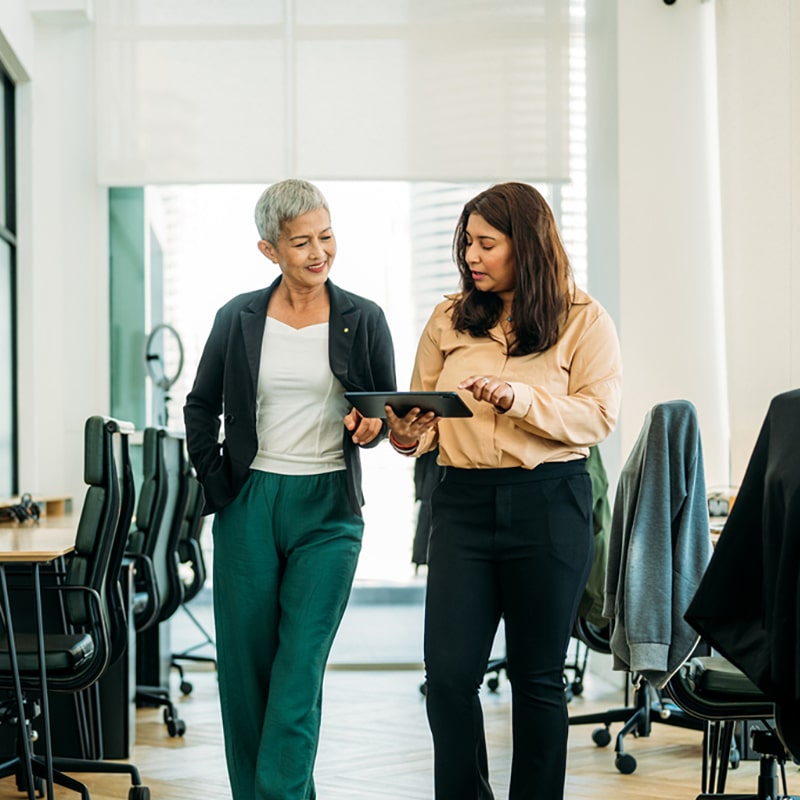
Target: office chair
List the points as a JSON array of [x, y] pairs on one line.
[[658, 549], [76, 654], [746, 608], [714, 691], [87, 704], [190, 555], [153, 544]]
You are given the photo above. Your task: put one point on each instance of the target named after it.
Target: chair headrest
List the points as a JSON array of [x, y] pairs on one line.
[[94, 456]]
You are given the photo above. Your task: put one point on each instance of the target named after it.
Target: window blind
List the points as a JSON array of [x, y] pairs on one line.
[[193, 91]]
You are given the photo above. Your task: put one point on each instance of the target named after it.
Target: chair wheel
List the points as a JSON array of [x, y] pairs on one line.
[[625, 763], [186, 687], [577, 688], [423, 689], [139, 793], [493, 684], [176, 727], [601, 737]]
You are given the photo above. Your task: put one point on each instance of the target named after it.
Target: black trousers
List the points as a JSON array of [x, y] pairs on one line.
[[515, 544]]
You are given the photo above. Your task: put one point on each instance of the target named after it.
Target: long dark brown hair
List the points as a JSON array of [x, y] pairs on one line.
[[541, 267]]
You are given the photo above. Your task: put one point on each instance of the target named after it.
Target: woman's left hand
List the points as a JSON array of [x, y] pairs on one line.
[[364, 429], [490, 389]]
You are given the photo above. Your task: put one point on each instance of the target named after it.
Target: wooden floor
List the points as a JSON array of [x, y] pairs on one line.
[[375, 744]]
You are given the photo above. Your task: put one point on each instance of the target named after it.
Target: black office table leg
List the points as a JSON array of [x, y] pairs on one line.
[[12, 655]]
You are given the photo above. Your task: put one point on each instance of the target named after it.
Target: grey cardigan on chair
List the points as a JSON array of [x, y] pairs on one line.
[[659, 546]]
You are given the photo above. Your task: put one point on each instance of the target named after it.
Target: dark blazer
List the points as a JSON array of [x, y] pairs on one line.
[[748, 603], [361, 356]]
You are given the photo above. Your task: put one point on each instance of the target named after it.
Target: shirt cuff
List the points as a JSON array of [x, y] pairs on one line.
[[523, 400]]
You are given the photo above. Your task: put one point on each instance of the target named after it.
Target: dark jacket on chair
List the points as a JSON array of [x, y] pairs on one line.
[[748, 603], [361, 356]]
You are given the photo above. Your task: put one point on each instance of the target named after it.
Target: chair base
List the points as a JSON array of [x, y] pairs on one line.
[[155, 696], [773, 758], [190, 653], [39, 769], [16, 767], [186, 686], [649, 707]]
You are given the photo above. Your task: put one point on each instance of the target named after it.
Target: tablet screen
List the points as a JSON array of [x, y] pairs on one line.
[[443, 404]]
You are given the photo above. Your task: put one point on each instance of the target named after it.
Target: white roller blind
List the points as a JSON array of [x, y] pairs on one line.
[[206, 91]]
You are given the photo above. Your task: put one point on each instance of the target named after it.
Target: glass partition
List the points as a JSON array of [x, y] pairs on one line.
[[8, 378], [7, 443]]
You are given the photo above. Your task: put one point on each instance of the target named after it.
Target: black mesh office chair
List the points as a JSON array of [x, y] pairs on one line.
[[723, 698], [658, 550], [87, 704], [193, 576], [78, 651], [154, 546], [747, 608]]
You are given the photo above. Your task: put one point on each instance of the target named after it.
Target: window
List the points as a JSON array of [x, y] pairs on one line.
[[8, 422], [394, 247]]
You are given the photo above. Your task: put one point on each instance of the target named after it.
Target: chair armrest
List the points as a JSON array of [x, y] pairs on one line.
[[146, 603], [95, 625]]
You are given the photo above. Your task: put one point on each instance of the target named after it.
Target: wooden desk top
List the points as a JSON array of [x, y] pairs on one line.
[[28, 543]]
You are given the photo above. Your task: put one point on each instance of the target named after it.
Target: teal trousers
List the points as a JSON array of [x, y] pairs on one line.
[[285, 552]]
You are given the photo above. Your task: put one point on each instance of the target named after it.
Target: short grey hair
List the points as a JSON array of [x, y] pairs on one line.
[[284, 201]]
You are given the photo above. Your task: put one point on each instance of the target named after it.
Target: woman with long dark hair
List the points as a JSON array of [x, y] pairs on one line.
[[538, 362]]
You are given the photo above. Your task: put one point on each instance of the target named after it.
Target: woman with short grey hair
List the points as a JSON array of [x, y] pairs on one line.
[[284, 483]]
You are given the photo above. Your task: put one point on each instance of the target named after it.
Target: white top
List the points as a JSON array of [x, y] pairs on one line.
[[300, 404]]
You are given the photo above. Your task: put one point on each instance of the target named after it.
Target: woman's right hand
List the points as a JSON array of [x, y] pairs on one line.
[[407, 430]]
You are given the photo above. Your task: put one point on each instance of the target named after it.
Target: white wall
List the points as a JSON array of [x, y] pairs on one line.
[[759, 54], [670, 239], [670, 263], [694, 221], [62, 255]]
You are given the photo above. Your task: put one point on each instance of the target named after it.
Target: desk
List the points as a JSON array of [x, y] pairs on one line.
[[31, 545], [117, 686], [50, 506]]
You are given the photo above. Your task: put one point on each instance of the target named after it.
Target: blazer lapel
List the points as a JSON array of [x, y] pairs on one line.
[[253, 318], [344, 321]]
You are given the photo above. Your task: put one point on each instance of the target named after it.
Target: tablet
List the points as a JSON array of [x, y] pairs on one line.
[[444, 404]]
